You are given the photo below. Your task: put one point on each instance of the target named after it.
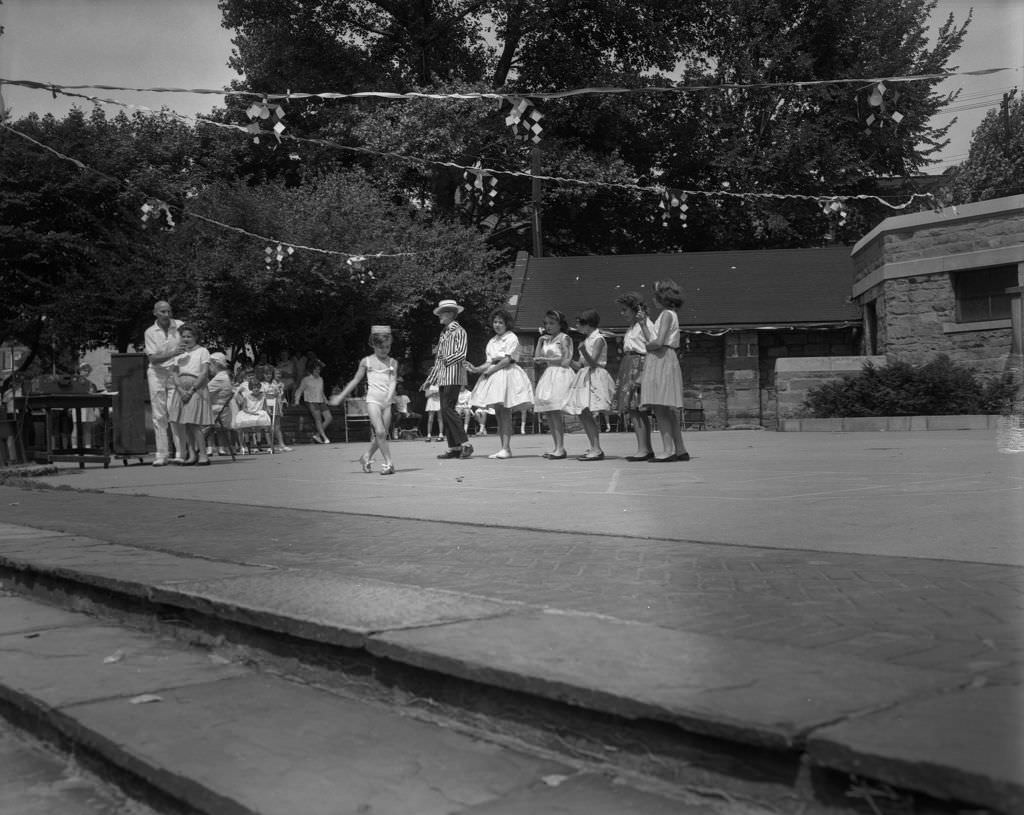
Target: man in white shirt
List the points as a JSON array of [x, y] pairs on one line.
[[162, 347]]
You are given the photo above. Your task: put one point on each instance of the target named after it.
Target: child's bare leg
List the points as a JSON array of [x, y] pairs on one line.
[[326, 417], [505, 423], [557, 426], [663, 414], [593, 431], [380, 421]]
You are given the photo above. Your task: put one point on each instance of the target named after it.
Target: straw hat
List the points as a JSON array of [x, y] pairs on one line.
[[219, 358], [448, 305]]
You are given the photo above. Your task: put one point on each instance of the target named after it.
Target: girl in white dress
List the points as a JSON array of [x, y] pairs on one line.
[[434, 413], [381, 373], [503, 385], [662, 386], [554, 351], [593, 389]]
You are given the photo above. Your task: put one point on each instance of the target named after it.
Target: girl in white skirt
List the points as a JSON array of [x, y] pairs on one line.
[[662, 386], [554, 351], [503, 385], [592, 389]]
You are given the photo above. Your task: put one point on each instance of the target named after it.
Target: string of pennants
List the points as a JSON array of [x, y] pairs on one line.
[[481, 183], [492, 171], [683, 88]]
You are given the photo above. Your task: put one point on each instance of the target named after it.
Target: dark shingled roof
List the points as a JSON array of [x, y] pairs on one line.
[[776, 287]]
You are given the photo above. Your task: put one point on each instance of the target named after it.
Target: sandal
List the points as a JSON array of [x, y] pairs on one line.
[[387, 469], [364, 462]]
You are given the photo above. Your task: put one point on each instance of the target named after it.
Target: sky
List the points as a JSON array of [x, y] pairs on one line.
[[180, 43]]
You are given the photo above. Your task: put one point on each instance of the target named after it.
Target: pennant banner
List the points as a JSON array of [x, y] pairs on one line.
[[513, 97]]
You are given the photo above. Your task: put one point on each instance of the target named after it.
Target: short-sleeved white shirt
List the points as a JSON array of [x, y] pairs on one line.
[[159, 342]]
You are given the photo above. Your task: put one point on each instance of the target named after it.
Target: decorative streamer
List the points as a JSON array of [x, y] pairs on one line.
[[158, 212], [711, 194], [264, 112], [480, 185], [673, 201], [882, 107], [524, 119], [559, 94]]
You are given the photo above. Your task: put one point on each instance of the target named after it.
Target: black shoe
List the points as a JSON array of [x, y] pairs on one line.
[[665, 460], [648, 457], [467, 451], [451, 454], [682, 456], [598, 457]]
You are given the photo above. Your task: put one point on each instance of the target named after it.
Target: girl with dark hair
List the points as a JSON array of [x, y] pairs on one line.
[[662, 386], [503, 385], [592, 389], [554, 351], [631, 372]]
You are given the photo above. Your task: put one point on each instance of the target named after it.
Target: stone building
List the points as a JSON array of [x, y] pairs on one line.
[[946, 282], [744, 310]]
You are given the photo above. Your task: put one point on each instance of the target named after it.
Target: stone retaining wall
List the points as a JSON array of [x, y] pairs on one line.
[[795, 376]]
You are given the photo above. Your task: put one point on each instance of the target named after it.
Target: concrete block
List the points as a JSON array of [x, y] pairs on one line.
[[862, 424], [331, 609], [65, 666], [957, 422], [899, 423], [754, 692], [965, 745], [265, 745], [20, 615], [821, 425]]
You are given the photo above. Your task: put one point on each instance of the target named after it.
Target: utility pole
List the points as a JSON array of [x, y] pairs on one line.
[[535, 194], [1005, 107]]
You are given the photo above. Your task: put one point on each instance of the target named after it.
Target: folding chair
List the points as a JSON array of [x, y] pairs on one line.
[[218, 425], [354, 413]]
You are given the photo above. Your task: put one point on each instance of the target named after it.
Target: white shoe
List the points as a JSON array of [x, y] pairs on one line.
[[501, 454], [159, 462]]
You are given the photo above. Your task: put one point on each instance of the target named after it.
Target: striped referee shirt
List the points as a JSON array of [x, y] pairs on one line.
[[450, 362]]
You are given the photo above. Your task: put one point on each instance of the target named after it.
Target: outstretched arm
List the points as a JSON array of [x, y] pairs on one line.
[[338, 398]]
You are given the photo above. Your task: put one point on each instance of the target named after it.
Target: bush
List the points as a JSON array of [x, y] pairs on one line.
[[937, 388]]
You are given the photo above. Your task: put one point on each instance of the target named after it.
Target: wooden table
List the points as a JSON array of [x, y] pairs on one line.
[[52, 405]]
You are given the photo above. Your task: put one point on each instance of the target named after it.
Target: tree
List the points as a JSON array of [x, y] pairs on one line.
[[995, 163], [810, 141], [76, 267], [244, 297]]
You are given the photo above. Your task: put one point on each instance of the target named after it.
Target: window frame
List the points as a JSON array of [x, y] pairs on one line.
[[992, 294]]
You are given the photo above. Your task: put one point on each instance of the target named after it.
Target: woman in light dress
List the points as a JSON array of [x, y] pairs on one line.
[[554, 351], [662, 386], [503, 385], [189, 406], [593, 389]]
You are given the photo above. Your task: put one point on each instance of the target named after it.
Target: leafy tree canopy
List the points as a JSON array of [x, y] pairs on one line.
[[995, 163]]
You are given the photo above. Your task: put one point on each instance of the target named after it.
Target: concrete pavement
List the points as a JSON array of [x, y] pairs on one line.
[[749, 576]]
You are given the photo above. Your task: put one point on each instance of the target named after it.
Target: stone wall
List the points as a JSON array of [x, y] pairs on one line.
[[703, 360], [795, 376], [777, 345], [906, 268]]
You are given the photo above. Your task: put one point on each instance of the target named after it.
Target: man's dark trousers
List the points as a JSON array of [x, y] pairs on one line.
[[450, 419]]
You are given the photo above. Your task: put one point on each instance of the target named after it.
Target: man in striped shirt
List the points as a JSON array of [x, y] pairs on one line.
[[449, 374]]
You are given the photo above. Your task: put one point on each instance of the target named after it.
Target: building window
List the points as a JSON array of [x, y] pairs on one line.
[[981, 294]]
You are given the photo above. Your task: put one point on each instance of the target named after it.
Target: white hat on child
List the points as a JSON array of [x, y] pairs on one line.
[[380, 329]]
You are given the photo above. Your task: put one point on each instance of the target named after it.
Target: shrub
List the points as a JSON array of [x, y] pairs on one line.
[[937, 388]]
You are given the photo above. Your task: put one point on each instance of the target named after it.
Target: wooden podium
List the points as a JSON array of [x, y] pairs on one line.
[[131, 400]]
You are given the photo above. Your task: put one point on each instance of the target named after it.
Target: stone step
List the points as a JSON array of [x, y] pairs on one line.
[[198, 731], [771, 701]]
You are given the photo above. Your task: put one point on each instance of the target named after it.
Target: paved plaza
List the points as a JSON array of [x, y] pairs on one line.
[[793, 579], [899, 547]]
